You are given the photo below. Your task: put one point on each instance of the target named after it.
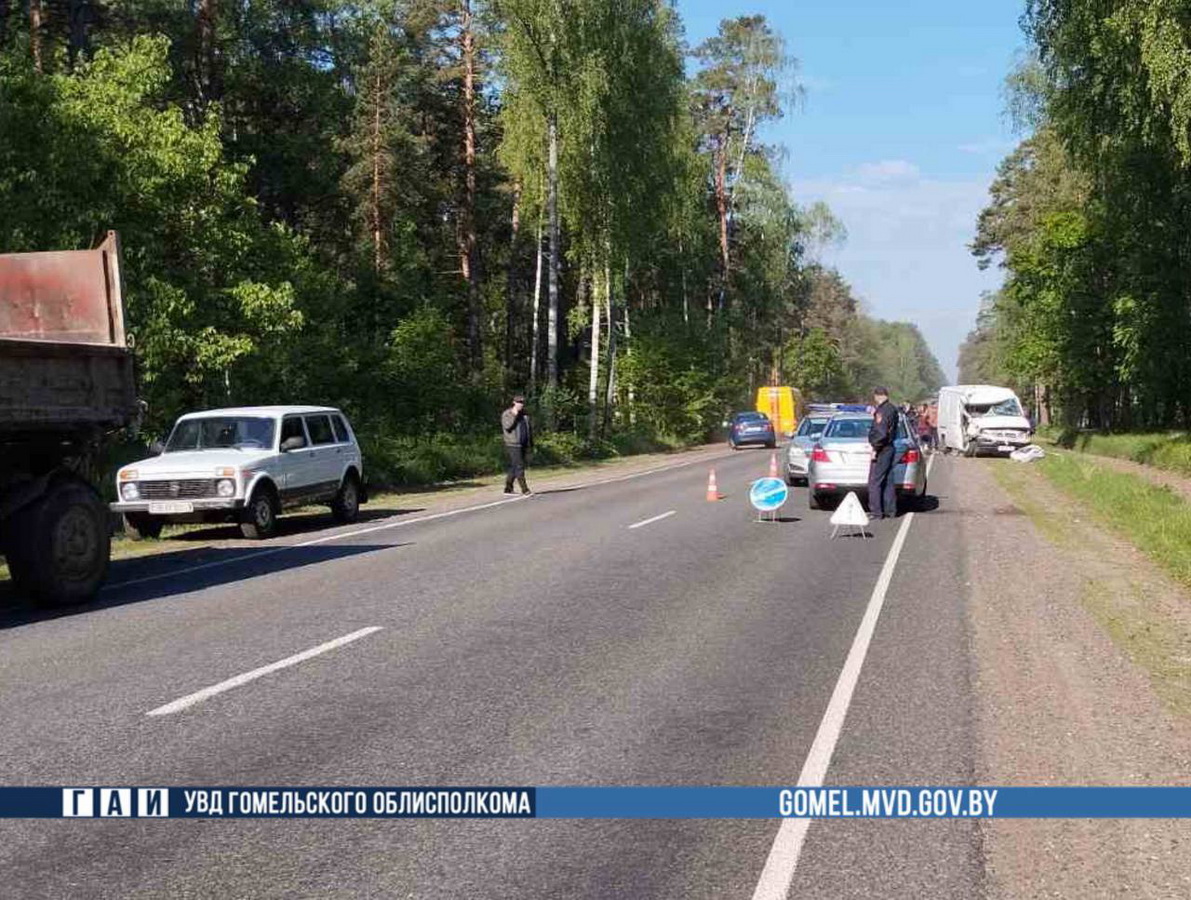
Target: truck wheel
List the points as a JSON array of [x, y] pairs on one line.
[[140, 526], [970, 449], [62, 546], [346, 505], [259, 519], [813, 501]]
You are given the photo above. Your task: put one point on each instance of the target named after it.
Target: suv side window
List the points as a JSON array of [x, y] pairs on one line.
[[291, 427], [320, 429], [341, 432]]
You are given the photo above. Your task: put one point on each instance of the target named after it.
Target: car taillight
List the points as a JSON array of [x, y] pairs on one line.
[[820, 455], [911, 456]]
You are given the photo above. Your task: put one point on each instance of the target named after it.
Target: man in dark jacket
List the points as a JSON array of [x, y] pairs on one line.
[[518, 440], [882, 492]]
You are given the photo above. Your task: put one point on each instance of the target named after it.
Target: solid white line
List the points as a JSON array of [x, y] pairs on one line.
[[778, 874], [340, 535], [664, 515], [206, 693], [656, 469], [280, 548]]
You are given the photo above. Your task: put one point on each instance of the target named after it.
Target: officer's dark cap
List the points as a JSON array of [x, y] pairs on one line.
[[518, 398], [882, 391]]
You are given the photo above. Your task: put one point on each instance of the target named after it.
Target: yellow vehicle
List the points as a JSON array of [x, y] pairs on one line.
[[784, 407]]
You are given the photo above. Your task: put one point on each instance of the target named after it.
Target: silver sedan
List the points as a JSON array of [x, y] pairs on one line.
[[798, 456], [841, 458]]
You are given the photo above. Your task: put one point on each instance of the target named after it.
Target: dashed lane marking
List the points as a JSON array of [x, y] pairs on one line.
[[207, 693], [664, 515]]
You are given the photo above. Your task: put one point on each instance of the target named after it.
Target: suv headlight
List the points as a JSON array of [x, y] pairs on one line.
[[129, 491], [225, 487]]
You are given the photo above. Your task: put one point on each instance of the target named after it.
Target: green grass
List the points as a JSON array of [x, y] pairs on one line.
[[1153, 518], [1149, 639], [403, 462], [1163, 450], [1015, 480]]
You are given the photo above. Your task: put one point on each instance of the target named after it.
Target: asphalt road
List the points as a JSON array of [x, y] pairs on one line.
[[540, 641]]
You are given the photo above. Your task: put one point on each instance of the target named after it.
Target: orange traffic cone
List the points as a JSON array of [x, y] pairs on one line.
[[773, 465], [713, 492]]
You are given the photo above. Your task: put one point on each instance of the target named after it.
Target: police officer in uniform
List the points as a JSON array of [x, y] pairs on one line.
[[882, 492]]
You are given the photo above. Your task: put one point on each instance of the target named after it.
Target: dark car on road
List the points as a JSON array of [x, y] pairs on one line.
[[751, 428]]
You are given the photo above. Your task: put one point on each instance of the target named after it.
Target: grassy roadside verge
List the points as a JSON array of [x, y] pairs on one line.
[[1153, 518], [1151, 641], [1170, 451], [1148, 621]]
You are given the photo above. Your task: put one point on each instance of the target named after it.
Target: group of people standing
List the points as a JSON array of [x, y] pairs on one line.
[[924, 421]]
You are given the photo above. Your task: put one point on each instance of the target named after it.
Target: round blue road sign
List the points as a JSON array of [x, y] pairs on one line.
[[768, 494]]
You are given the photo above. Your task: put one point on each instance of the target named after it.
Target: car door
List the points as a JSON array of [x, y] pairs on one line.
[[296, 466], [325, 456]]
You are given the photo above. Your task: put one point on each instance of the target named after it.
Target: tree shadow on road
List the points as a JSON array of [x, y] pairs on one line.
[[169, 575]]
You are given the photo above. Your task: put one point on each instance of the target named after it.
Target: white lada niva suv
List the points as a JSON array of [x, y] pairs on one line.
[[244, 465]]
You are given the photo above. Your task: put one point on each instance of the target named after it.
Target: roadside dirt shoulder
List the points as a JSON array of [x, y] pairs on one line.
[[1066, 693]]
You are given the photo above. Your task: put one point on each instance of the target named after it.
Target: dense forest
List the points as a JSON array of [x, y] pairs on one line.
[[1090, 217], [411, 209]]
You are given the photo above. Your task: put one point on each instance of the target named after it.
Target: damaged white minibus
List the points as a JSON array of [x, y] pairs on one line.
[[981, 418]]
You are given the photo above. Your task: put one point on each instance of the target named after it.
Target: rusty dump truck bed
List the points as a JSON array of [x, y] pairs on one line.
[[64, 359]]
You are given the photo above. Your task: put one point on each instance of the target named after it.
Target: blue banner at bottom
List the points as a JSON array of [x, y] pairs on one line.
[[939, 802]]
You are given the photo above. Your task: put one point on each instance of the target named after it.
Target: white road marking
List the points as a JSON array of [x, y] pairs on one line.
[[339, 535], [778, 874], [280, 548], [656, 469], [206, 693], [664, 515]]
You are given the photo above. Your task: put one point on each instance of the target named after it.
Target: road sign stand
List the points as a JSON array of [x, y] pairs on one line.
[[852, 531], [851, 516], [767, 496]]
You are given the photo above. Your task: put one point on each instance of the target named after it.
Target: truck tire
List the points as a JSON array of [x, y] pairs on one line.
[[142, 526], [258, 521], [60, 553], [812, 500], [346, 505]]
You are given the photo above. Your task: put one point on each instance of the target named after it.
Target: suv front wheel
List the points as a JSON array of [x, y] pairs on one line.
[[259, 519]]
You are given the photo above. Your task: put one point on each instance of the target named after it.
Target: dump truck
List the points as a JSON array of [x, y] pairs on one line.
[[67, 382]]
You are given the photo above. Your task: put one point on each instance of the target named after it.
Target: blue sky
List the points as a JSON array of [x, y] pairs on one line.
[[900, 133]]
